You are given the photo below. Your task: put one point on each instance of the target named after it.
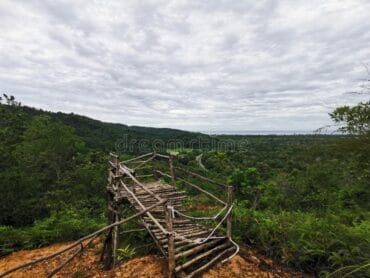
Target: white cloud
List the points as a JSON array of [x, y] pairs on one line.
[[197, 65]]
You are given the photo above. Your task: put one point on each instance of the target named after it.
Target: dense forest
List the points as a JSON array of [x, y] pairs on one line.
[[302, 200]]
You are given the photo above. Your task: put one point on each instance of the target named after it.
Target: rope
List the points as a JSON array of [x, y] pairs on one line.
[[210, 236], [236, 252], [199, 218]]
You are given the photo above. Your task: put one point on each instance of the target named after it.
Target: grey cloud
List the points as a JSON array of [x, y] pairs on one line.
[[197, 65]]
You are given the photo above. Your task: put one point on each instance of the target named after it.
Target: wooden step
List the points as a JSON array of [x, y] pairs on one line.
[[178, 228], [202, 256], [211, 262], [161, 235], [164, 191], [152, 202], [175, 221], [174, 196], [185, 229], [179, 244]]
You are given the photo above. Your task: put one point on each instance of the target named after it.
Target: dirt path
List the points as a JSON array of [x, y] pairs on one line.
[[247, 264], [200, 163]]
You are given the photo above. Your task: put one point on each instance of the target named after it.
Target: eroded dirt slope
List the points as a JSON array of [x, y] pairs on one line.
[[247, 264]]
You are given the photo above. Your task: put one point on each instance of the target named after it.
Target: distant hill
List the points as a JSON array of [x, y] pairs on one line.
[[111, 136]]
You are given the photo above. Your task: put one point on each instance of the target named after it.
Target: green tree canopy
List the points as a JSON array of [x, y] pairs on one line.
[[48, 148], [355, 119]]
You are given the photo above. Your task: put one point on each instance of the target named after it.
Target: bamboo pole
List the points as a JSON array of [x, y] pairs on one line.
[[82, 239], [138, 157], [107, 253], [80, 250], [143, 163], [162, 155], [196, 249], [194, 186], [173, 177], [116, 162], [200, 176], [127, 172], [229, 204], [115, 233], [209, 263], [170, 238], [143, 207]]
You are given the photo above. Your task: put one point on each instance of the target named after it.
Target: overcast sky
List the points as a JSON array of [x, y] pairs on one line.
[[195, 65]]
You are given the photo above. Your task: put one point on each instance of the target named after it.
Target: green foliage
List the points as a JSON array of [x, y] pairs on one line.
[[46, 147], [302, 200], [64, 225], [355, 119], [44, 168], [80, 273], [126, 252], [304, 240]]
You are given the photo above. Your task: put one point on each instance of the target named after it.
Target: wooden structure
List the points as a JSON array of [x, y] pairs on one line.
[[189, 247]]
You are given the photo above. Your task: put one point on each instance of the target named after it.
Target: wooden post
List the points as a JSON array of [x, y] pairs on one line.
[[109, 253], [172, 171], [230, 190], [116, 162], [115, 231], [170, 237]]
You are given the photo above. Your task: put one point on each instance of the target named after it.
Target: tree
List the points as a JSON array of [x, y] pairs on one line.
[[48, 148], [355, 149], [10, 100], [42, 162], [247, 184], [354, 120]]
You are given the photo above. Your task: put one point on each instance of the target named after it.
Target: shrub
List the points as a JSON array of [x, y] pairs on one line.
[[60, 226], [304, 240]]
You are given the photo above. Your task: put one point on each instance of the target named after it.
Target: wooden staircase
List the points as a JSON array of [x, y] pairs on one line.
[[189, 247]]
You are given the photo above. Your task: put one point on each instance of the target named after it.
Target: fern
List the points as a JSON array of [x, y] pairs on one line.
[[126, 253]]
